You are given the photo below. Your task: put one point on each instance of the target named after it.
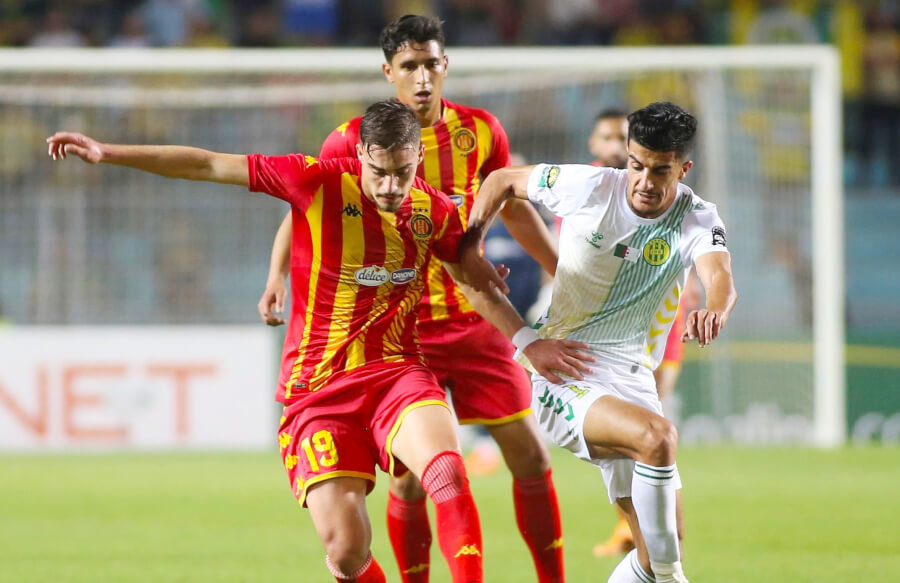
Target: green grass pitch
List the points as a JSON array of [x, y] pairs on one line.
[[771, 515]]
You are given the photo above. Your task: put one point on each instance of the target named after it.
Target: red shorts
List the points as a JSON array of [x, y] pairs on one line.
[[345, 428], [674, 347], [474, 361]]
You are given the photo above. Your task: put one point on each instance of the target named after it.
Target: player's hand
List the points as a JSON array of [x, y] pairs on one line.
[[704, 325], [481, 274], [272, 302], [566, 357], [62, 143]]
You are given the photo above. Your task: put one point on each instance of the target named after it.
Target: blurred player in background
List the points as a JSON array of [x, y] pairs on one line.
[[469, 356], [628, 241], [607, 142], [352, 381], [608, 145]]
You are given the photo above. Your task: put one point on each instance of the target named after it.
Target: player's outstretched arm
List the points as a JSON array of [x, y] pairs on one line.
[[528, 229], [554, 359], [705, 324], [272, 300], [170, 161]]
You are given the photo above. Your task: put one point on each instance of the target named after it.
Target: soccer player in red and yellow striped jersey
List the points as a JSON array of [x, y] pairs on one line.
[[467, 354], [355, 390]]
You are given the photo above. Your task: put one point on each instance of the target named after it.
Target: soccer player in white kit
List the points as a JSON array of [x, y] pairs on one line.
[[628, 241]]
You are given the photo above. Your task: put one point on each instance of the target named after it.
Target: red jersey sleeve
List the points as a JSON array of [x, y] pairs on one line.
[[499, 157], [291, 178], [341, 143]]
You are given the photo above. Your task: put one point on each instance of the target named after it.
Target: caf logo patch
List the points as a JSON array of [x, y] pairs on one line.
[[464, 140], [718, 236], [549, 176], [421, 226], [656, 251]]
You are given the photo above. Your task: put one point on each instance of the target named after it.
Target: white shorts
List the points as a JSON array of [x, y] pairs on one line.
[[561, 409]]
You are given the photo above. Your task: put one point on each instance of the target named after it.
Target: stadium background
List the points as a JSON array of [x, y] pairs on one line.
[[141, 268]]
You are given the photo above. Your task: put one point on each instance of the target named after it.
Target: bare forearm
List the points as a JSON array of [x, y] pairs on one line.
[[179, 162], [279, 264], [494, 307], [720, 293], [496, 189], [528, 229]]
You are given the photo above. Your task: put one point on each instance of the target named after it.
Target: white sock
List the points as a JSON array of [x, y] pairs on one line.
[[653, 497], [668, 572], [630, 571]]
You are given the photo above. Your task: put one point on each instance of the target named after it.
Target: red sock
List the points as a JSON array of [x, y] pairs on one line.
[[459, 533], [410, 534], [537, 514], [370, 572]]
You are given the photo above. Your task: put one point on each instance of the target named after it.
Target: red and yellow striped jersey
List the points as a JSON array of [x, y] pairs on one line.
[[356, 271], [463, 147]]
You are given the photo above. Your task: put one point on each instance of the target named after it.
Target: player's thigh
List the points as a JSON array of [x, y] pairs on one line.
[[338, 510], [474, 360], [522, 447], [424, 432], [613, 425]]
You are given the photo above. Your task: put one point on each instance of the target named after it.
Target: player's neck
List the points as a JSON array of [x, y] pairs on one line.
[[432, 117]]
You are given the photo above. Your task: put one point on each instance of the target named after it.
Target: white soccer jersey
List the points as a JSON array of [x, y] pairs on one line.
[[619, 276]]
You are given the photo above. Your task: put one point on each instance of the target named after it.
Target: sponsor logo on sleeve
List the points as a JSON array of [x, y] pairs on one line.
[[718, 236], [549, 176], [594, 239], [371, 275]]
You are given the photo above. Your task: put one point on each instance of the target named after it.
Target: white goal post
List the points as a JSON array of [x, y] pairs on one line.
[[514, 68]]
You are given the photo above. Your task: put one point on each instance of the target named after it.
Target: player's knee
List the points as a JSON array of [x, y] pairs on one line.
[[528, 459], [659, 443], [407, 487], [347, 550]]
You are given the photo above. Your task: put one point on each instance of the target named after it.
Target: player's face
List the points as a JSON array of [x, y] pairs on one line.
[[607, 142], [387, 175], [417, 71], [653, 179]]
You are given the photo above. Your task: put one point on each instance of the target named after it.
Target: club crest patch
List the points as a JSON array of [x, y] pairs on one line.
[[421, 225], [464, 140], [656, 251]]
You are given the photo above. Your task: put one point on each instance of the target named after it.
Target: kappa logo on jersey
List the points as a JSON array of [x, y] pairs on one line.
[[464, 140], [351, 210], [718, 236], [405, 275], [549, 176], [372, 275], [656, 251], [458, 199], [630, 254], [421, 226]]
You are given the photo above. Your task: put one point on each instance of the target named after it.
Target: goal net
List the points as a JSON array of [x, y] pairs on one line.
[[88, 245]]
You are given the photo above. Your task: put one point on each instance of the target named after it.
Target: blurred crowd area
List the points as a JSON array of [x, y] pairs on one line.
[[866, 31]]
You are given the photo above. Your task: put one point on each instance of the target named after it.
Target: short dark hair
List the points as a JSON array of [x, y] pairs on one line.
[[610, 113], [410, 28], [390, 125], [663, 127]]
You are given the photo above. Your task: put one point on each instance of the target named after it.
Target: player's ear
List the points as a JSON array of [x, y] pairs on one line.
[[359, 151], [421, 153], [388, 72], [685, 168], [446, 64]]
